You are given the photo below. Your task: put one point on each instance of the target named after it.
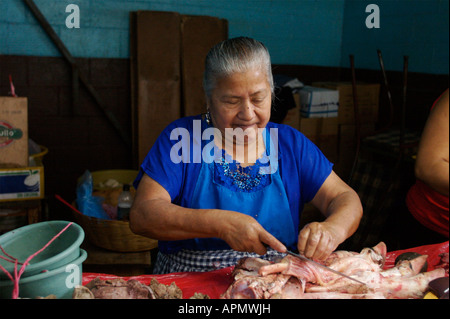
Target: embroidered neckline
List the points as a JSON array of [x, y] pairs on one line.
[[231, 174]]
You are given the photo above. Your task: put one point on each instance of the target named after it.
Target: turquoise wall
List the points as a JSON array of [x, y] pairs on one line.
[[416, 28], [294, 31], [303, 32]]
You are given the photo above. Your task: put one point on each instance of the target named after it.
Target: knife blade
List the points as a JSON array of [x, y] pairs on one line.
[[323, 266]]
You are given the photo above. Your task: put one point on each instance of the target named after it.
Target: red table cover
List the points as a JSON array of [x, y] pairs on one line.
[[214, 283]]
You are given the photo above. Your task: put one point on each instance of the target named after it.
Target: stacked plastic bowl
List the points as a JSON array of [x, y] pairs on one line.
[[54, 271]]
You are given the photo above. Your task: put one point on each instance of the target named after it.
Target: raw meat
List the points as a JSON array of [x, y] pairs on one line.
[[294, 278], [161, 291], [81, 292], [119, 288]]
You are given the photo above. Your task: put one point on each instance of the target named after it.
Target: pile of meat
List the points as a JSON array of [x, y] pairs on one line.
[[129, 289], [293, 278]]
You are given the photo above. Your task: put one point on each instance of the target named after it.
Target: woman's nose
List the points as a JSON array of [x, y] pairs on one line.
[[247, 111]]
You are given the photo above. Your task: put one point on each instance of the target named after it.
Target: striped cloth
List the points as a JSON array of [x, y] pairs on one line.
[[208, 260]]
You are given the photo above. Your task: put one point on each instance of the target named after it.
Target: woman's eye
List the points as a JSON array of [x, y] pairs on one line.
[[258, 101], [231, 102]]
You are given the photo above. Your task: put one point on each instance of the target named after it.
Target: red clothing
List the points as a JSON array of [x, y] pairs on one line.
[[429, 207]]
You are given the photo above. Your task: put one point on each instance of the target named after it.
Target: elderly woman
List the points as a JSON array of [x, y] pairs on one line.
[[235, 184]]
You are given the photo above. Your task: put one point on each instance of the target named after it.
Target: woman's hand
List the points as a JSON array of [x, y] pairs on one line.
[[343, 210], [244, 233], [318, 240]]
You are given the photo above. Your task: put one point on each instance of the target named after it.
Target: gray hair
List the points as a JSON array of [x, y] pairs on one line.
[[235, 55]]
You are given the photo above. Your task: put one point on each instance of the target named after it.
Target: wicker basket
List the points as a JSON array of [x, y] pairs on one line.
[[113, 235]]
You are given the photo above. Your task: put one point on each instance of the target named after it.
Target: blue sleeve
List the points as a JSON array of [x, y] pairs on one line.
[[304, 168], [314, 168], [159, 166]]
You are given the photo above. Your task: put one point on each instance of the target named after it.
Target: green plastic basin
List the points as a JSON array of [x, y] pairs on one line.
[[25, 241], [59, 282]]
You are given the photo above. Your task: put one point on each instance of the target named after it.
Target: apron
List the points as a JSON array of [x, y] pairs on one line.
[[269, 205]]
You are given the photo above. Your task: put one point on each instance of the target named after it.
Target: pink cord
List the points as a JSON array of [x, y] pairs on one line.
[[16, 277], [13, 90]]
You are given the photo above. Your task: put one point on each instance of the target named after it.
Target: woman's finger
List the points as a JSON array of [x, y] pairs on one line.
[[269, 240], [303, 239], [313, 242]]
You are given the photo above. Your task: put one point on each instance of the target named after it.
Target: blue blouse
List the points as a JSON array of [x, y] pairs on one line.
[[174, 163]]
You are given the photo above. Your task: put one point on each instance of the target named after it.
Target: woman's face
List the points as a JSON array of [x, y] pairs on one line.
[[241, 100]]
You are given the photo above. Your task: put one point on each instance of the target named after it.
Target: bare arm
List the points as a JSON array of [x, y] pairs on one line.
[[432, 164], [153, 215], [343, 210]]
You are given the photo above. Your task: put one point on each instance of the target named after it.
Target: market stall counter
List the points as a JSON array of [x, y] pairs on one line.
[[215, 283]]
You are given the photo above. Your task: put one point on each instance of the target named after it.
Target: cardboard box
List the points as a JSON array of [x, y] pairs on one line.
[[318, 102], [13, 132], [319, 126], [198, 35], [324, 133], [292, 117], [368, 95], [167, 56], [155, 75], [24, 183]]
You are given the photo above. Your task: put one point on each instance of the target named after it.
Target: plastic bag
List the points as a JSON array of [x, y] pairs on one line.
[[87, 203]]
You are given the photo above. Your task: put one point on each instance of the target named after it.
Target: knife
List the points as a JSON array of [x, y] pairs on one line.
[[323, 266]]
